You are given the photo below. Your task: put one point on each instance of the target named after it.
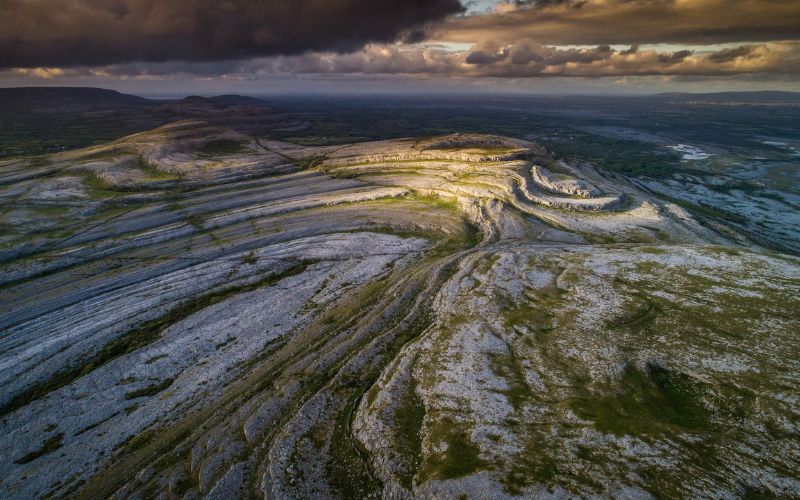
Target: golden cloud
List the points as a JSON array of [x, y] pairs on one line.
[[598, 22]]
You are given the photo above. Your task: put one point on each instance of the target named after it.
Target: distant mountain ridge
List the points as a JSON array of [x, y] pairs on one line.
[[35, 99], [767, 96], [229, 99], [49, 99], [73, 99]]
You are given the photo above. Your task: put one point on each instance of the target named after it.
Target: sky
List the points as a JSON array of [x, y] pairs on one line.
[[179, 47]]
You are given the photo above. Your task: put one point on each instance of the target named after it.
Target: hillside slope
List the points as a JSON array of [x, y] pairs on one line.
[[195, 311]]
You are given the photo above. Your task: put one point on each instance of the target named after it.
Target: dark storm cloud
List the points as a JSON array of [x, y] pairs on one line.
[[584, 56], [728, 55], [676, 57], [97, 32]]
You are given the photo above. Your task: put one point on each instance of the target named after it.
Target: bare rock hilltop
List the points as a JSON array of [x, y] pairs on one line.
[[193, 311]]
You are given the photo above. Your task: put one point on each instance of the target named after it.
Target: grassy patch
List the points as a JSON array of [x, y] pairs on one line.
[[249, 258], [224, 343], [310, 162], [49, 445], [536, 312], [96, 424], [348, 473], [408, 418], [529, 314], [645, 403], [462, 456], [153, 174], [154, 359], [195, 221], [150, 390], [97, 185], [529, 467]]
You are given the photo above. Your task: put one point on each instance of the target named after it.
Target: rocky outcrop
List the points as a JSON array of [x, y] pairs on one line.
[[563, 183]]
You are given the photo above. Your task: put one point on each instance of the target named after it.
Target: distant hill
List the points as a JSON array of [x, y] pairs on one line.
[[229, 99], [37, 120], [207, 106], [66, 99], [756, 97], [83, 99]]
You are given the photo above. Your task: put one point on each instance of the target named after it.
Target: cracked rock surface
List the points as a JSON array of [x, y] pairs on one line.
[[195, 312]]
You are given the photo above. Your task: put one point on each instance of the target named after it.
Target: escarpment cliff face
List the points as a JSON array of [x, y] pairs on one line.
[[195, 312]]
